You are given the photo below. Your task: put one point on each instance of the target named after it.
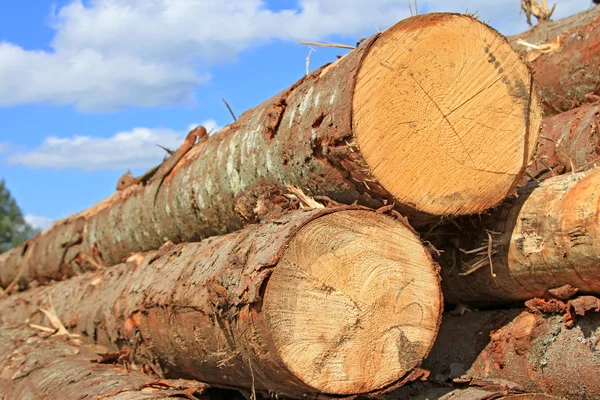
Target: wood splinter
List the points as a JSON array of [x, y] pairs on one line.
[[162, 170]]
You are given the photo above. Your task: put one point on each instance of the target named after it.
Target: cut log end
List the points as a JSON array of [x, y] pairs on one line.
[[446, 117], [354, 303]]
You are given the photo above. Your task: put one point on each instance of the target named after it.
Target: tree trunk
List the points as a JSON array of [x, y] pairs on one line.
[[570, 140], [566, 74], [534, 351], [36, 367], [545, 239], [436, 127], [338, 301]]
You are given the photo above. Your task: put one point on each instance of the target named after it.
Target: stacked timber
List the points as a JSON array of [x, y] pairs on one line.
[[438, 128], [295, 253]]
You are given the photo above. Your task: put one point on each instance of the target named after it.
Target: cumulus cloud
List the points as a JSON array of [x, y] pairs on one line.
[[113, 53], [38, 221], [132, 149]]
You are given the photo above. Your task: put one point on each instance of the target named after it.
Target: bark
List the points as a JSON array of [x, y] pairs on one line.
[[569, 141], [544, 239], [490, 389], [446, 132], [532, 350], [34, 366], [567, 74], [318, 301]]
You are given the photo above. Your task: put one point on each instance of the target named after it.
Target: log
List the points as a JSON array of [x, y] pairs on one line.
[[437, 127], [33, 366], [489, 389], [546, 238], [569, 69], [533, 350], [337, 301], [569, 142]]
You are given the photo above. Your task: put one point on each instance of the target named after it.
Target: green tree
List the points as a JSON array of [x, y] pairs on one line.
[[13, 228]]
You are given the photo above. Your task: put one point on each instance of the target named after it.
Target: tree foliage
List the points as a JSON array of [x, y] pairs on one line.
[[13, 227]]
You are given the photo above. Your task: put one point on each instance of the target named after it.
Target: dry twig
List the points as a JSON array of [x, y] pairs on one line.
[[326, 44], [92, 261], [308, 60], [229, 108], [541, 11], [306, 202], [55, 321], [42, 328], [537, 50], [411, 9], [570, 160], [485, 250], [489, 253]]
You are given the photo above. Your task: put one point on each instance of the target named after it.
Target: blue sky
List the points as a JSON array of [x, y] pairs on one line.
[[87, 88]]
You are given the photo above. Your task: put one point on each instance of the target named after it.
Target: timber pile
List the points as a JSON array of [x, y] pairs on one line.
[[295, 253]]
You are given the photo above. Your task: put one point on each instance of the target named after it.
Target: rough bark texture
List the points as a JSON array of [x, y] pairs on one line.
[[534, 351], [566, 75], [570, 140], [489, 389], [36, 366], [305, 136], [199, 310], [544, 239]]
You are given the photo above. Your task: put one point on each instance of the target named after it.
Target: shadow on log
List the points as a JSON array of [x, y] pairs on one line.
[[569, 141], [534, 351], [491, 389], [546, 238]]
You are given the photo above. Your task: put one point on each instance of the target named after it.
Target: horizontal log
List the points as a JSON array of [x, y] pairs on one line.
[[571, 70], [569, 142], [436, 127], [489, 389], [546, 238], [533, 350], [337, 301], [36, 366]]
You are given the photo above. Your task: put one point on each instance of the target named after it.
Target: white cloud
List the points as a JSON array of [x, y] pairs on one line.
[[38, 221], [125, 150], [210, 124], [113, 53], [4, 147]]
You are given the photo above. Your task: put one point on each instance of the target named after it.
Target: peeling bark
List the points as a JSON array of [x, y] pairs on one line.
[[376, 126], [231, 310], [570, 140], [535, 351], [469, 389], [568, 75], [34, 366], [544, 239]]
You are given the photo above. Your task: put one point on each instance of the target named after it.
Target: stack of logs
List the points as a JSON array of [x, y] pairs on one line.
[[308, 249]]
